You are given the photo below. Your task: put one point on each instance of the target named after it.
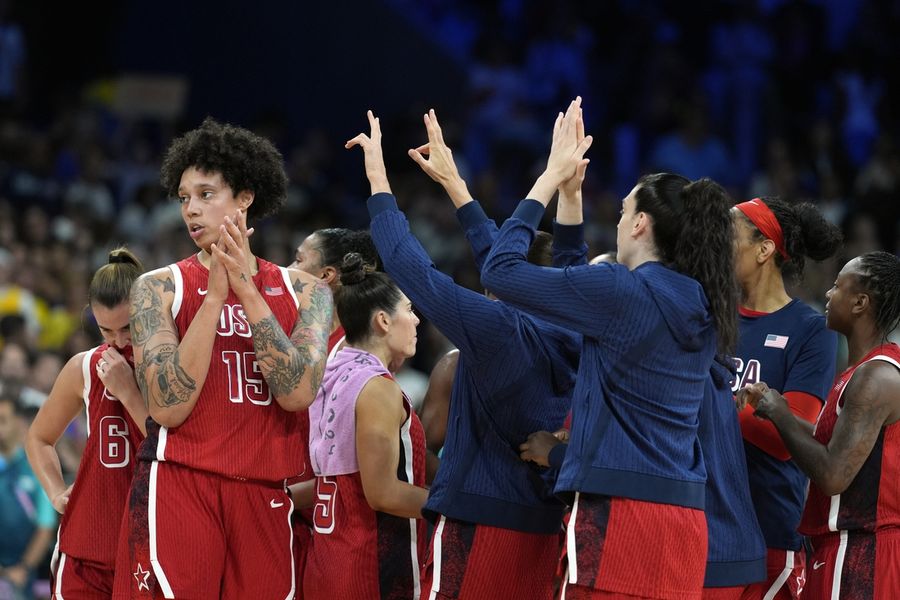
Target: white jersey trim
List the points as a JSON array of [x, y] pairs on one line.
[[839, 567], [336, 348], [57, 593], [413, 532], [835, 505], [290, 595], [86, 391], [288, 286], [782, 577], [151, 518], [572, 554], [179, 289], [436, 565], [161, 443]]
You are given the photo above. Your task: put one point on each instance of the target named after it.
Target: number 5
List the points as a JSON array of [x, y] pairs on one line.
[[323, 512]]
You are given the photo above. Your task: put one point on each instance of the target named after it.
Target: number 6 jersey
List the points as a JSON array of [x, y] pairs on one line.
[[90, 526], [236, 429]]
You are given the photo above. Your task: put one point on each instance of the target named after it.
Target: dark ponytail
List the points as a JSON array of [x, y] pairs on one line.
[[335, 242], [694, 234], [806, 233], [363, 291], [880, 277], [111, 284]]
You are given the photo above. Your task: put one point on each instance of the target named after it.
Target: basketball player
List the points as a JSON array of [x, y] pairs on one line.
[[652, 326], [228, 347], [852, 513], [736, 549], [368, 451], [101, 381], [436, 410], [783, 342], [493, 513]]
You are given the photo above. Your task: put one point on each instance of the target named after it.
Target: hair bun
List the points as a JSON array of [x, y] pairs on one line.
[[354, 269]]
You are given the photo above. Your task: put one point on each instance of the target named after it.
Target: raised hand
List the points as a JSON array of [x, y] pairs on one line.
[[232, 252], [371, 145], [440, 165], [566, 153], [569, 143]]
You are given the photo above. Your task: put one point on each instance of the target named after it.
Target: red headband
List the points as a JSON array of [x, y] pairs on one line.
[[764, 219]]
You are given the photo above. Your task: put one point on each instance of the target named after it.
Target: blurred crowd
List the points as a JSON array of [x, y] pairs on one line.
[[769, 97]]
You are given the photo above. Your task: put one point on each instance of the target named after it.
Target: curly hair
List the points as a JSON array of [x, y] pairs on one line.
[[880, 277], [693, 233], [806, 234], [245, 160]]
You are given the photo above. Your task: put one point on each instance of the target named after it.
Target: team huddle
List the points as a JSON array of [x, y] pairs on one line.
[[664, 423]]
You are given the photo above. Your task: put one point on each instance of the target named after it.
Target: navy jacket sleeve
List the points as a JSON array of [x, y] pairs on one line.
[[568, 297], [569, 247], [473, 323], [480, 231]]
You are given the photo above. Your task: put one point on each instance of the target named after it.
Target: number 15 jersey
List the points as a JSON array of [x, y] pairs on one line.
[[236, 429]]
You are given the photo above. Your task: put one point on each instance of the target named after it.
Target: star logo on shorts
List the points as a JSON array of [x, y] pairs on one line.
[[141, 577]]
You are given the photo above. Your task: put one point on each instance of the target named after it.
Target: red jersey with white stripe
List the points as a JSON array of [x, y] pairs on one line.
[[361, 553], [90, 526], [872, 501], [236, 429]]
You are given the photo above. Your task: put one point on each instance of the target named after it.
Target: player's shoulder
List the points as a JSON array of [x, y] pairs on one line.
[[303, 282]]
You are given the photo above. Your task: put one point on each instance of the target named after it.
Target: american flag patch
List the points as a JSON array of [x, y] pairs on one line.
[[277, 291], [776, 341]]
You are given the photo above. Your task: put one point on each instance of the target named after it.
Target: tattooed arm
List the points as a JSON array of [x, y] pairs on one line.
[[170, 380], [293, 366], [871, 401]]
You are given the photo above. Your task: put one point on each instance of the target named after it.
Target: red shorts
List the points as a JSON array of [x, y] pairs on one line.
[[72, 577], [785, 577], [192, 534], [480, 561], [723, 593], [628, 547], [854, 565]]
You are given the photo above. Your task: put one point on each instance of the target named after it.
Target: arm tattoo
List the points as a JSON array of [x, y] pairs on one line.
[[159, 373], [312, 328], [174, 384], [146, 308], [284, 361], [281, 367]]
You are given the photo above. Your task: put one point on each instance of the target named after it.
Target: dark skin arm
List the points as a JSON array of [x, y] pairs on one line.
[[435, 410], [539, 444], [871, 402]]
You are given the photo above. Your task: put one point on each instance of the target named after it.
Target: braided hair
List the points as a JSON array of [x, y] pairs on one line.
[[880, 277]]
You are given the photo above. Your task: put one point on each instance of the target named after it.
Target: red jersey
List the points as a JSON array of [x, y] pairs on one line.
[[90, 526], [872, 501], [236, 428], [358, 552]]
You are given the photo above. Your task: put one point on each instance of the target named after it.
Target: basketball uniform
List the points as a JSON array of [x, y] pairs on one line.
[[792, 351], [209, 514], [302, 520], [84, 560], [856, 534], [358, 552]]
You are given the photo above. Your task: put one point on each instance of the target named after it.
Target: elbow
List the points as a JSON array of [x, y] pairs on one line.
[[295, 402], [167, 417], [832, 486]]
